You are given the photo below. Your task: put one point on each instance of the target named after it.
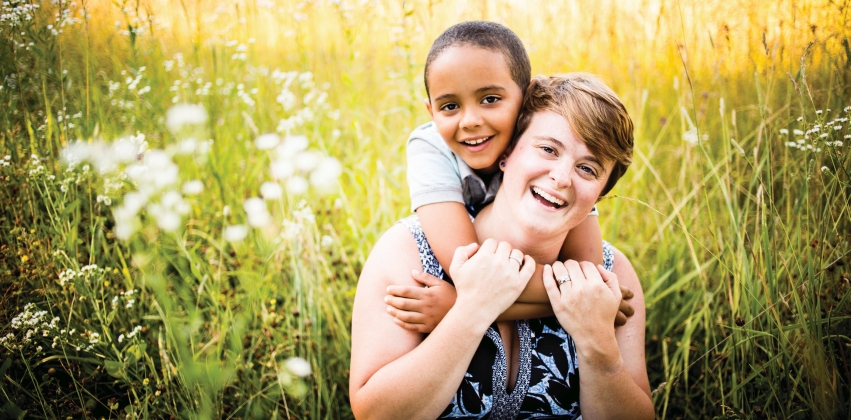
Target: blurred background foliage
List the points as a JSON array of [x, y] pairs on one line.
[[735, 212]]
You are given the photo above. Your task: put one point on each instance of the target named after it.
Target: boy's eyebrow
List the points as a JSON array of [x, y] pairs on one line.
[[477, 91], [444, 96], [490, 88]]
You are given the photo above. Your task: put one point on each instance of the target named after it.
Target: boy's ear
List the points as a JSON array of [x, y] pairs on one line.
[[427, 103]]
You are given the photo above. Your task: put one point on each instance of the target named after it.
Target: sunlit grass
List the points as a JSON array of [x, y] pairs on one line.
[[735, 212]]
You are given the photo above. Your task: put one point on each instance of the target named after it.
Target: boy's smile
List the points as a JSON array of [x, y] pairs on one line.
[[474, 104]]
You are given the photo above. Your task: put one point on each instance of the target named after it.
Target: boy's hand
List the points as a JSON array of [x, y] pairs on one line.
[[420, 309], [625, 310]]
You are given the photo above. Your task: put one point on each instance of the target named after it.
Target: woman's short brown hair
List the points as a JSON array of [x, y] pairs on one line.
[[594, 112]]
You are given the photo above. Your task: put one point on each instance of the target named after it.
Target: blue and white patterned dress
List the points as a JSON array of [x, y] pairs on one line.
[[547, 383]]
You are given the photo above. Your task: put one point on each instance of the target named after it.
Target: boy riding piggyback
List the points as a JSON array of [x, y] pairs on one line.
[[476, 74]]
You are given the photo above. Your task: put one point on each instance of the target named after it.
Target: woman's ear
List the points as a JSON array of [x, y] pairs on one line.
[[502, 164]]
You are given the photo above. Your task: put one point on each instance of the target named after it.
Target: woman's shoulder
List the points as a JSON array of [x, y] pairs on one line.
[[395, 253], [623, 268]]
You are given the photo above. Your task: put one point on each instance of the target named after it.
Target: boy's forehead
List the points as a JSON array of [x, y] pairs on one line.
[[469, 69]]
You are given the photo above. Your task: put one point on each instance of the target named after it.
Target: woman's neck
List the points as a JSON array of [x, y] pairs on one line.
[[495, 224]]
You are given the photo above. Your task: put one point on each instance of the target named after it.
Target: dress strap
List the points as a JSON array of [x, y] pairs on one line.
[[608, 256], [430, 263]]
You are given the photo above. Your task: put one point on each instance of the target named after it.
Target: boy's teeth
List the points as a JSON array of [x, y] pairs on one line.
[[475, 142], [548, 197]]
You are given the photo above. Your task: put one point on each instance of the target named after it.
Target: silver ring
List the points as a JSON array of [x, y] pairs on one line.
[[563, 280], [512, 257]]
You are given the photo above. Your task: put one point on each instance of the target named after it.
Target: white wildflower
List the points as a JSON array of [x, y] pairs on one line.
[[267, 141], [784, 131], [182, 115], [271, 190], [187, 146], [258, 214], [825, 169], [819, 112], [306, 161], [297, 185], [298, 366], [291, 146], [326, 241], [168, 221], [325, 176], [797, 132], [235, 233], [193, 187], [690, 136], [282, 169]]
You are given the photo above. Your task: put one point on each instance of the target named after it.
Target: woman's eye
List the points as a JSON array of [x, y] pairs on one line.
[[587, 169], [490, 99], [449, 107], [548, 150]]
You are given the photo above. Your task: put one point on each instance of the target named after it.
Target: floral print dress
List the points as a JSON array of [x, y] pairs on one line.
[[547, 383]]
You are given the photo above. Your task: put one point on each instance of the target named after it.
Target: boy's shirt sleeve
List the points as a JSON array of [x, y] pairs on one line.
[[433, 173]]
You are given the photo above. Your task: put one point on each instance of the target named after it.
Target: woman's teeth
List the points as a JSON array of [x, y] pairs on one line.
[[475, 142], [548, 197]]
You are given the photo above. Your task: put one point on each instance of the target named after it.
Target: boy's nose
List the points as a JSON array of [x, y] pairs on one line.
[[470, 119]]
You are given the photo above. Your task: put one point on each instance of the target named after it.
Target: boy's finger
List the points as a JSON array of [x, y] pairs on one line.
[[420, 328], [409, 292], [409, 317], [402, 303], [626, 309], [626, 293], [620, 319], [427, 279]]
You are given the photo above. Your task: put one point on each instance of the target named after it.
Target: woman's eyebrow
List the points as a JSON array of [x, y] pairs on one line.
[[551, 139]]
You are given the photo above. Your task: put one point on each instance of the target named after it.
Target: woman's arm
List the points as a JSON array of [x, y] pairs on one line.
[[613, 383], [394, 372]]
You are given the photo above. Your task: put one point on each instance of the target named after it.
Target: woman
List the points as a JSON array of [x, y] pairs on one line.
[[574, 141]]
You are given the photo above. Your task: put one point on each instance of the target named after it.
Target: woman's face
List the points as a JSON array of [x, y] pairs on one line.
[[551, 178]]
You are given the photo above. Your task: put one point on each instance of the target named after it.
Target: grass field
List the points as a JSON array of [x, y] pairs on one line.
[[140, 279]]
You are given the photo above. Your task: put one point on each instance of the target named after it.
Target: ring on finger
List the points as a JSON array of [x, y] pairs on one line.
[[563, 279], [519, 261]]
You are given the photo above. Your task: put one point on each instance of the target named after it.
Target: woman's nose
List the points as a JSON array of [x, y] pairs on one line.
[[560, 174]]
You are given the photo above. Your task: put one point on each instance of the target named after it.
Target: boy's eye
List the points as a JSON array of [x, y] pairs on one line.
[[490, 99], [449, 107]]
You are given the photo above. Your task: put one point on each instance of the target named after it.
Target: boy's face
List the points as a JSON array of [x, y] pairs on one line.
[[474, 104]]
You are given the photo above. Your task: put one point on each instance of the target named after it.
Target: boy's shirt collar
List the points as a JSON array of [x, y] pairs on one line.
[[476, 194]]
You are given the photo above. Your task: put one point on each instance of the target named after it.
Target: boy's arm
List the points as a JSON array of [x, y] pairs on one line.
[[583, 243], [447, 226]]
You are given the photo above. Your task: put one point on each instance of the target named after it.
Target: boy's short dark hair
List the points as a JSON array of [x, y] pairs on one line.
[[490, 36]]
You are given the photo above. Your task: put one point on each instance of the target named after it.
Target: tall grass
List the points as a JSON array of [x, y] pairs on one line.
[[737, 225]]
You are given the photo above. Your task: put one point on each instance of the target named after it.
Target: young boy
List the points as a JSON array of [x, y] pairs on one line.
[[475, 76]]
